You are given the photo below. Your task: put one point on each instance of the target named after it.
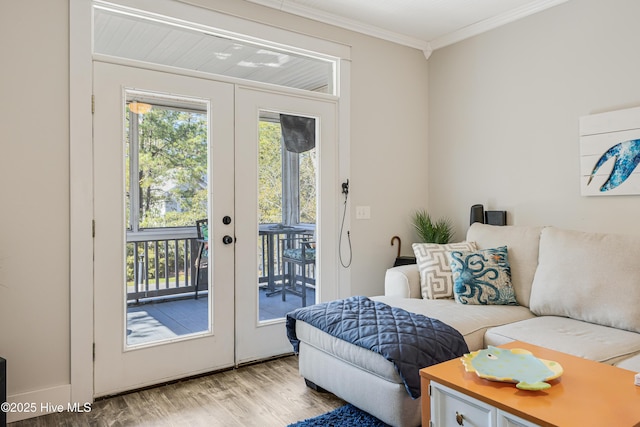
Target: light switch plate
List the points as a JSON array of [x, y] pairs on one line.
[[363, 212]]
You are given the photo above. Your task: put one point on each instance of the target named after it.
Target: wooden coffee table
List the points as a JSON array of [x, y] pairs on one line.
[[587, 394]]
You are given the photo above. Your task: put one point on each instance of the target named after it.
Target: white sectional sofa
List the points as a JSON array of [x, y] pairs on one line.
[[577, 293]]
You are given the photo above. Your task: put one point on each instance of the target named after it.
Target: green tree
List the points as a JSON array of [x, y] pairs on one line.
[[172, 167], [308, 169], [269, 173], [270, 155]]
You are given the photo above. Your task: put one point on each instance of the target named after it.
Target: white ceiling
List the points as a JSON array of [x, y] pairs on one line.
[[423, 24]]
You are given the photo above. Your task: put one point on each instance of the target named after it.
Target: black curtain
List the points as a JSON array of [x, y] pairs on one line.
[[298, 133]]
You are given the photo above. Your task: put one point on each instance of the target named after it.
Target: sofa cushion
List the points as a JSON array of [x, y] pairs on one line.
[[630, 363], [594, 342], [403, 281], [588, 276], [522, 242], [386, 400], [482, 277], [364, 359], [472, 321], [435, 273]]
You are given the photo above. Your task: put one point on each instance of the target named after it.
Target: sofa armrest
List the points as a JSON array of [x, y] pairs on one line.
[[403, 281]]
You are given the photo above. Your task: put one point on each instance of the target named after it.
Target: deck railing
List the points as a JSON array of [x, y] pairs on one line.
[[162, 263]]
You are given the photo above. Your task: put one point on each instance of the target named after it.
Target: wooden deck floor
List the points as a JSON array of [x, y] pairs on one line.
[[156, 321]]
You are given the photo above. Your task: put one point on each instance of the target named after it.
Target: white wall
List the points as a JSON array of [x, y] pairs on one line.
[[388, 152], [388, 157], [34, 192], [504, 110]]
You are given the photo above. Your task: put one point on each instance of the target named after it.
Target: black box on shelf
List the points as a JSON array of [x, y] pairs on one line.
[[495, 217], [404, 260]]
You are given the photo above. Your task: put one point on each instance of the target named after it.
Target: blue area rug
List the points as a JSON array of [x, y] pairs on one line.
[[345, 416]]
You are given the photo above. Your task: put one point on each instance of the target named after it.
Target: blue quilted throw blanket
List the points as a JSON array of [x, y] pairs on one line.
[[410, 341]]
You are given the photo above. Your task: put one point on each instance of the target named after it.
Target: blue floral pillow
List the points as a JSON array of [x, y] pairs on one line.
[[482, 277]]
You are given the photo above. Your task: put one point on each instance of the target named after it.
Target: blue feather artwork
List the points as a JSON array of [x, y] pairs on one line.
[[626, 157], [610, 153]]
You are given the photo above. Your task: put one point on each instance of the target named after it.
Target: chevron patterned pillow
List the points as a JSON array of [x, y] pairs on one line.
[[436, 280]]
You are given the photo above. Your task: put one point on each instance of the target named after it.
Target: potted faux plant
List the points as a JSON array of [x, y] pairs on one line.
[[440, 231]]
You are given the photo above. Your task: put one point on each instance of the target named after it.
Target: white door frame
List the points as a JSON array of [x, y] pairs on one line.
[[81, 170]]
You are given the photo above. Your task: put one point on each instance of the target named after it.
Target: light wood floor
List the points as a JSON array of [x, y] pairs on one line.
[[266, 394]]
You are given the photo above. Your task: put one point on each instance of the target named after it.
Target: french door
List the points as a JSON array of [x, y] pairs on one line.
[[146, 242], [307, 155], [188, 269]]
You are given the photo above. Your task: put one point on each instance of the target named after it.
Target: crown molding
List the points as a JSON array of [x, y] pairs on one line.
[[427, 51], [494, 22], [427, 46], [346, 23]]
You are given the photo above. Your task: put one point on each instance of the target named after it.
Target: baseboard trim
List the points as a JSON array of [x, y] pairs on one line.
[[41, 402]]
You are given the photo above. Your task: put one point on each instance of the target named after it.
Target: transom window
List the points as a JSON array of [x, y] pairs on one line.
[[136, 35]]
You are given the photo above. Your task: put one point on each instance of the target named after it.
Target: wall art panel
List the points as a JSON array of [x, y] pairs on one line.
[[610, 153]]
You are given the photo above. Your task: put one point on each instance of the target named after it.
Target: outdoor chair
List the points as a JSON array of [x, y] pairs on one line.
[[202, 258], [297, 252]]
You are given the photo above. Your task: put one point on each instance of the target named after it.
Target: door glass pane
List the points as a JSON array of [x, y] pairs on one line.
[[287, 244], [166, 193]]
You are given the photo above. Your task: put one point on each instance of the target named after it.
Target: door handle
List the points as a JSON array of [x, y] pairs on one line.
[[227, 239]]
